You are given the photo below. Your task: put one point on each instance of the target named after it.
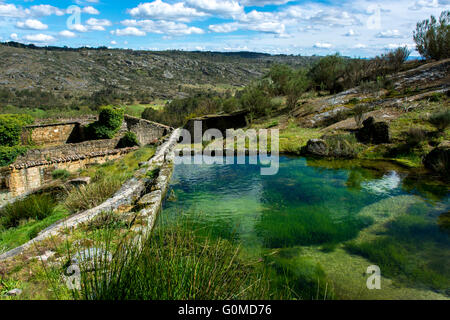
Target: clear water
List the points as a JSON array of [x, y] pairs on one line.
[[319, 224]]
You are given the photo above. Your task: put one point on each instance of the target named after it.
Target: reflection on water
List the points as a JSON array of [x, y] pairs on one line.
[[318, 214]]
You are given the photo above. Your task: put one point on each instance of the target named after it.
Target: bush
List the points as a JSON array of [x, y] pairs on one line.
[[432, 37], [60, 174], [440, 120], [327, 72], [9, 154], [11, 128], [36, 207], [256, 101], [295, 87], [109, 122], [358, 113], [128, 140], [415, 136]]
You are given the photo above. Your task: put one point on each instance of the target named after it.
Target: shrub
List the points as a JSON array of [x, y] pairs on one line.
[[327, 72], [432, 37], [11, 128], [109, 122], [415, 136], [256, 101], [36, 207], [128, 140], [440, 120], [358, 113], [60, 174], [9, 154], [295, 87]]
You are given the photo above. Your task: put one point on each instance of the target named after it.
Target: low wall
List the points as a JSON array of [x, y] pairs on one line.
[[67, 150], [25, 177], [146, 131], [51, 134]]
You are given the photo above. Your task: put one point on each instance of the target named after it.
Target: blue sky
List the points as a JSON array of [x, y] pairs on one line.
[[354, 28]]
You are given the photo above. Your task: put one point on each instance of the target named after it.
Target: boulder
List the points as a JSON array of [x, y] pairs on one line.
[[316, 147], [438, 160], [373, 132], [80, 181], [14, 292]]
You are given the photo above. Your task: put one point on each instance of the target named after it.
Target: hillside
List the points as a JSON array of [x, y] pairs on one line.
[[33, 76]]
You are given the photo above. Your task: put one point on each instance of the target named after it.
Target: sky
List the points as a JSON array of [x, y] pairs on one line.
[[358, 28]]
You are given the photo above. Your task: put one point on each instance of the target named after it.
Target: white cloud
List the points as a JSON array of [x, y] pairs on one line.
[[351, 33], [224, 27], [129, 31], [79, 28], [323, 45], [389, 34], [39, 38], [90, 10], [10, 10], [262, 3], [113, 42], [31, 24], [160, 10], [98, 22], [420, 4], [223, 8], [359, 46], [67, 34], [14, 36], [45, 10], [163, 27]]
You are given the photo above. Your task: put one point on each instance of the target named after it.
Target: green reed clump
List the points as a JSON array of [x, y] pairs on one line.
[[91, 195], [37, 207], [172, 263], [399, 254]]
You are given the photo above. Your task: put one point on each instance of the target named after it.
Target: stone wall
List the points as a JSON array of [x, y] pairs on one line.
[[26, 177], [68, 150], [221, 122], [146, 131], [51, 134]]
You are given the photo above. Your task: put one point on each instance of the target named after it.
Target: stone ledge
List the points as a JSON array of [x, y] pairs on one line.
[[30, 164]]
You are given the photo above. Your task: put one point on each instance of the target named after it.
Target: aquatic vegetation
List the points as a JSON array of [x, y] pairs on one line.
[[314, 209], [400, 253]]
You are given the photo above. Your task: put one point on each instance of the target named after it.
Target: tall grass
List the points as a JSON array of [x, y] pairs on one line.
[[91, 195], [172, 263], [36, 207]]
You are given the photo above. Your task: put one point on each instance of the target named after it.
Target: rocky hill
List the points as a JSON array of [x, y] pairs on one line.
[[65, 74]]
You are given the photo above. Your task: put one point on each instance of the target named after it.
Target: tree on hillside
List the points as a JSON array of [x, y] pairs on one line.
[[432, 37], [295, 87], [327, 72]]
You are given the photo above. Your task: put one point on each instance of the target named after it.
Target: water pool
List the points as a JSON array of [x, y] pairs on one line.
[[318, 225]]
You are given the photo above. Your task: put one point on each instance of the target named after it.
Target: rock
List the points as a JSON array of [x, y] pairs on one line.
[[80, 181], [46, 256], [14, 292], [317, 147], [373, 132], [438, 160]]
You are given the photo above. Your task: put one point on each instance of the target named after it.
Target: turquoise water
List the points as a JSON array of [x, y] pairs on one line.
[[328, 218]]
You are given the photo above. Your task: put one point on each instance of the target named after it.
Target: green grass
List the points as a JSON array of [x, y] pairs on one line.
[[174, 263], [294, 138]]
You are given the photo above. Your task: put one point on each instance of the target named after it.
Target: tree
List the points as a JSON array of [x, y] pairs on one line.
[[432, 37], [295, 87], [280, 74], [327, 72]]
